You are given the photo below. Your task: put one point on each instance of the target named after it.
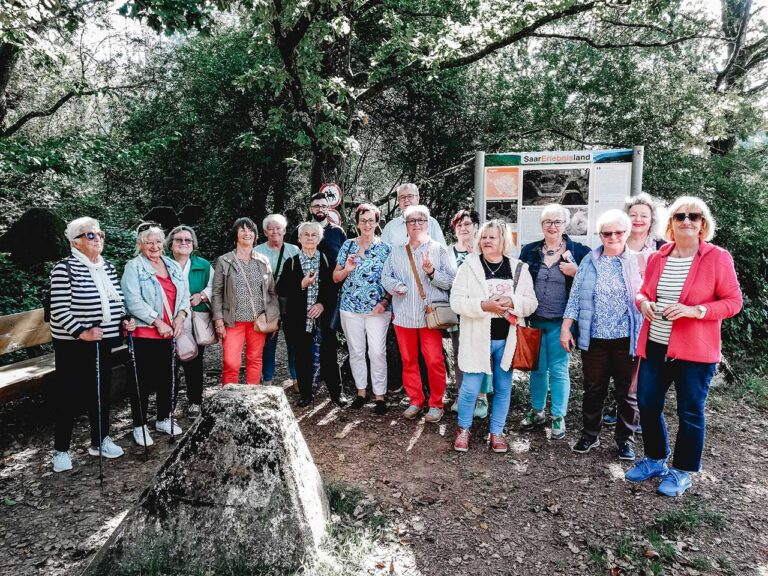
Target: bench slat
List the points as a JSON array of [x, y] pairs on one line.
[[23, 330], [24, 377]]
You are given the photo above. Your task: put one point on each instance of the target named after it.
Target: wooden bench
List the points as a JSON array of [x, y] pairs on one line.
[[28, 330]]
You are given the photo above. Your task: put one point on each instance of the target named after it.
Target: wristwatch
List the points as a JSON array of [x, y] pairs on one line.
[[702, 311]]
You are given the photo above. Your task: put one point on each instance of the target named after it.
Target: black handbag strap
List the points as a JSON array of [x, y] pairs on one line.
[[279, 261]]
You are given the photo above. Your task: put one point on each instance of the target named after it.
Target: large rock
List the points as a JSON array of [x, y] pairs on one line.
[[240, 494]]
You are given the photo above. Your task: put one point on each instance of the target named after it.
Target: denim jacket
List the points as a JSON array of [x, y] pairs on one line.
[[142, 290]]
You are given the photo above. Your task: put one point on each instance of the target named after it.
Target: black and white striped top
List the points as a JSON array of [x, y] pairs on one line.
[[76, 307], [668, 292]]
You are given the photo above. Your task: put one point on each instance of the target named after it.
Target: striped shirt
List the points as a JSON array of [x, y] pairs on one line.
[[410, 309], [76, 307], [668, 292]]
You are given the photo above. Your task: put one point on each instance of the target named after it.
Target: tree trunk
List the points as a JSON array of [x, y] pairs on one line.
[[9, 57]]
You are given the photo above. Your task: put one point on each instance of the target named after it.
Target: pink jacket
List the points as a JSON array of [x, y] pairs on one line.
[[712, 283]]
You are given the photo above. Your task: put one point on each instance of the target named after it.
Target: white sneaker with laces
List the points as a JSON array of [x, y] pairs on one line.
[[61, 461], [138, 435], [108, 449], [165, 427]]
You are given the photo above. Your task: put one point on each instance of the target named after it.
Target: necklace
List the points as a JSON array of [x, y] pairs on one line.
[[491, 270], [551, 252]]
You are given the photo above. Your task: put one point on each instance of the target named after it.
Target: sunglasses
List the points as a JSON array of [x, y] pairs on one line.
[[692, 216], [617, 233], [91, 235]]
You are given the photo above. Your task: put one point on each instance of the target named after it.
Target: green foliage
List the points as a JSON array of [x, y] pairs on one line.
[[692, 515]]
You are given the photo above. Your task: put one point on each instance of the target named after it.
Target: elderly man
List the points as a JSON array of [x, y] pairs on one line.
[[278, 253], [395, 232]]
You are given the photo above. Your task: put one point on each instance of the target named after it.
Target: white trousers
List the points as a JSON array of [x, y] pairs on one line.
[[371, 327]]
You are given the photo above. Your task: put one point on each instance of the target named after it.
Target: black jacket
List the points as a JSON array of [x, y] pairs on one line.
[[289, 287]]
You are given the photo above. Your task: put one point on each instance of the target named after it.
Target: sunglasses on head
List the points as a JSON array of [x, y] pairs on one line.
[[692, 216], [144, 226], [91, 235]]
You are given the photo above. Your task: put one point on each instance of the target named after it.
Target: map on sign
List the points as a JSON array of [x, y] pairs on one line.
[[332, 191]]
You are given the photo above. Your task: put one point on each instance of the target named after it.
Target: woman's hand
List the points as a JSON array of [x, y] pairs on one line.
[[350, 264], [648, 310], [163, 329], [196, 299], [221, 331], [566, 339], [315, 311], [569, 268], [129, 325], [380, 308], [401, 289], [426, 264], [178, 325], [677, 310], [92, 334], [308, 280], [496, 305]]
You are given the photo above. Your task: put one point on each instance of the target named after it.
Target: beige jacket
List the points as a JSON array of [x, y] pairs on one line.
[[224, 292], [468, 291]]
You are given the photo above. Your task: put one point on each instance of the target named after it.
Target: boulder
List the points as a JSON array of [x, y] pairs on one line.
[[240, 494]]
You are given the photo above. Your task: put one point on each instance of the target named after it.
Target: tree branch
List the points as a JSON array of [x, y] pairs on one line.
[[611, 45], [755, 89], [738, 44]]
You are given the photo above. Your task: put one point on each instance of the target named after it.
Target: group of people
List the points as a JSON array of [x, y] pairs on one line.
[[645, 308]]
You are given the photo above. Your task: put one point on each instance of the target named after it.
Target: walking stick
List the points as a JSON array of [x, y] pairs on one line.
[[138, 394], [98, 401], [173, 385]]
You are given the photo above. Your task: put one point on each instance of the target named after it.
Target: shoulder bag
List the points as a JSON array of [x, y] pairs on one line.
[[526, 356], [186, 347], [261, 323], [440, 316], [202, 327]]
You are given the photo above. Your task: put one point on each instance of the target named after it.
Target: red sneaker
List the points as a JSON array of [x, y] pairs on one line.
[[462, 440], [499, 443]]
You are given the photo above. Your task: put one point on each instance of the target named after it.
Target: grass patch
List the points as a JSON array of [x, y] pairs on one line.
[[666, 551], [687, 519], [343, 498], [625, 548], [702, 564]]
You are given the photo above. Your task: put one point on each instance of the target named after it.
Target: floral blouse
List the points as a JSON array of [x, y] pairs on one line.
[[362, 289]]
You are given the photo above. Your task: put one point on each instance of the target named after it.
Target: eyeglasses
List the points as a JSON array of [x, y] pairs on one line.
[[91, 235], [323, 206], [421, 221], [183, 240], [367, 221], [465, 224], [548, 223], [611, 233], [692, 216], [407, 197]]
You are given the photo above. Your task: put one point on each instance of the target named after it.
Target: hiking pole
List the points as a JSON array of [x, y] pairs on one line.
[[98, 401], [138, 392], [173, 385]]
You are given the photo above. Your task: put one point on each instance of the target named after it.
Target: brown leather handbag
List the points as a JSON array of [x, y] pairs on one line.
[[267, 321], [526, 356], [440, 315]]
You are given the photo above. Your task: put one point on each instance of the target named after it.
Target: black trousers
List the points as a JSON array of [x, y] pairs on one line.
[[76, 389], [153, 365], [193, 377], [303, 343]]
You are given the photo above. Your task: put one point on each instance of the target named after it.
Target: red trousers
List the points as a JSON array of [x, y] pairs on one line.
[[431, 342], [232, 350]]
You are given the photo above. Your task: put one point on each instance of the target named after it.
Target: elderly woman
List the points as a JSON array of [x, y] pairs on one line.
[[491, 292], [86, 310], [689, 288], [430, 261], [364, 304], [243, 289], [602, 302], [465, 224], [278, 252], [197, 271], [156, 294], [553, 262], [306, 285]]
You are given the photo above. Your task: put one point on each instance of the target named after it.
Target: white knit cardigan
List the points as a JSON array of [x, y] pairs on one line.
[[468, 291]]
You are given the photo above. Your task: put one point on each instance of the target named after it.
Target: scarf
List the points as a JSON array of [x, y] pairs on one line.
[[309, 264], [107, 291]]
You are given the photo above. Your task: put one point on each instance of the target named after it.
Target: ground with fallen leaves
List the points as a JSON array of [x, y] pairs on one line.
[[405, 503]]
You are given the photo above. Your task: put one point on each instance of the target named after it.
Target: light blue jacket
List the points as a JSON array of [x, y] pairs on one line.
[[142, 290]]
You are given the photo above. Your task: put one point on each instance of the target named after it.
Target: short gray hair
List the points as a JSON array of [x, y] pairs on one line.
[[76, 227], [656, 207], [316, 225], [407, 186], [553, 211], [278, 219], [613, 216], [181, 228], [418, 208], [144, 231]]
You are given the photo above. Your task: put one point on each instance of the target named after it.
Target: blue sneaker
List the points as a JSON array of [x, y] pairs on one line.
[[646, 469], [639, 429], [609, 419], [674, 483]]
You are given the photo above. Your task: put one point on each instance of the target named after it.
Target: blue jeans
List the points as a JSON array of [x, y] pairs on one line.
[[552, 373], [502, 391], [268, 357], [692, 386]]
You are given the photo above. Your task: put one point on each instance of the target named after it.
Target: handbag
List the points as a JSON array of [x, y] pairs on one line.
[[526, 356], [186, 347], [202, 328], [440, 315], [261, 322]]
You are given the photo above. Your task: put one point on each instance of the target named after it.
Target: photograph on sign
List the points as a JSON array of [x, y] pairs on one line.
[[501, 210], [568, 186], [579, 224], [332, 192], [502, 183]]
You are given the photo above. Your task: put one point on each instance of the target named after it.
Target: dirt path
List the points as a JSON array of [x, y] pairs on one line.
[[540, 509]]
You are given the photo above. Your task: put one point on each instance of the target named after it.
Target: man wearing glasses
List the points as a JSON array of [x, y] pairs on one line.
[[395, 232]]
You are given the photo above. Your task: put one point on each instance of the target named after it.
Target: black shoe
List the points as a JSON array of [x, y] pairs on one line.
[[342, 401], [626, 451], [304, 402], [358, 402], [380, 408], [585, 444]]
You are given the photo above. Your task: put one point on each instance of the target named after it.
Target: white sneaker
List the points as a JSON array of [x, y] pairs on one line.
[[194, 410], [165, 427], [139, 432], [108, 449], [61, 461]]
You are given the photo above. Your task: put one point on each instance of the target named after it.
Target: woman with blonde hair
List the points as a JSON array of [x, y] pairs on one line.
[[491, 293]]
